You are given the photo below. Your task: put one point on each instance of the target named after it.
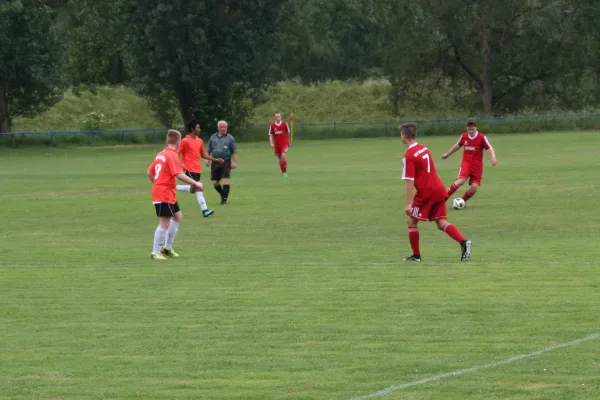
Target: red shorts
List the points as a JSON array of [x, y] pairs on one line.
[[429, 209], [471, 172], [280, 148]]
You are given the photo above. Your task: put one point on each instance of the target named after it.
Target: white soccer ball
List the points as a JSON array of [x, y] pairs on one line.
[[458, 203]]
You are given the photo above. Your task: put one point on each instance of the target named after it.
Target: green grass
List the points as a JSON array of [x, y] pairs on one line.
[[295, 290], [120, 107]]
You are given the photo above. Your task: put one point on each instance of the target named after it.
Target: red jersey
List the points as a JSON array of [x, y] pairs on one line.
[[190, 149], [418, 166], [280, 132], [474, 146], [164, 168]]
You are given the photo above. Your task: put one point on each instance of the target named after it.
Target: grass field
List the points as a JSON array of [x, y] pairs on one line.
[[295, 290]]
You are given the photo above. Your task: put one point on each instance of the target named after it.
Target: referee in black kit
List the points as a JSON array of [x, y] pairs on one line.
[[222, 145]]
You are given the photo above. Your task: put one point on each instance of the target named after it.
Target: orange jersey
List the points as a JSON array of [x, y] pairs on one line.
[[164, 168], [191, 149]]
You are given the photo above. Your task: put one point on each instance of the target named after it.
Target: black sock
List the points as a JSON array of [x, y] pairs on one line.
[[225, 191], [219, 189]]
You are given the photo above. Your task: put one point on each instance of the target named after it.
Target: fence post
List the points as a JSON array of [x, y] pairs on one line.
[[14, 140], [122, 137], [89, 139], [51, 138], [334, 125]]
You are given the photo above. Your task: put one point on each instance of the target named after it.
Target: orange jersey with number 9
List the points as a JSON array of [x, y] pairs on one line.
[[164, 169]]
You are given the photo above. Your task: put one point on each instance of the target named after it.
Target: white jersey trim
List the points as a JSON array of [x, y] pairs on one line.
[[404, 177]]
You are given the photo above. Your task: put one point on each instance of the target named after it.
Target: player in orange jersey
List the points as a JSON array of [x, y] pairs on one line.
[[162, 173], [279, 138], [425, 194], [190, 150], [471, 167]]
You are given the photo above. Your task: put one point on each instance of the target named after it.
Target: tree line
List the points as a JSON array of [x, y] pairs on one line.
[[215, 59]]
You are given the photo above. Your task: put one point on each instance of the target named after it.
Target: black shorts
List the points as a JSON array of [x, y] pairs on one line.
[[220, 171], [166, 209], [194, 175]]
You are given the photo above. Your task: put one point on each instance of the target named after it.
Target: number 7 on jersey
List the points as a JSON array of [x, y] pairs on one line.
[[426, 157]]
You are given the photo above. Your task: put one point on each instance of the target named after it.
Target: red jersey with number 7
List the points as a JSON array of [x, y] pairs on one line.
[[164, 169], [418, 166], [474, 146]]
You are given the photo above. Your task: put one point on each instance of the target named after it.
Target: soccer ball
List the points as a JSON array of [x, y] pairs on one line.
[[458, 203]]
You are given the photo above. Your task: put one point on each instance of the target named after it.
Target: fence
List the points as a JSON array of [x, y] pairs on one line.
[[318, 130]]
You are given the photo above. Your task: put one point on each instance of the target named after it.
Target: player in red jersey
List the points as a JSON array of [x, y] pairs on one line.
[[190, 151], [425, 194], [471, 166], [279, 137], [162, 173]]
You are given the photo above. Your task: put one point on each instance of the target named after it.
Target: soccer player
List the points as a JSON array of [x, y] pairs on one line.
[[190, 151], [425, 194], [471, 166], [280, 141], [162, 173], [222, 145]]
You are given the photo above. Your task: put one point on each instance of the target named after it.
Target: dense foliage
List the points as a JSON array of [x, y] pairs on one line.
[[214, 59]]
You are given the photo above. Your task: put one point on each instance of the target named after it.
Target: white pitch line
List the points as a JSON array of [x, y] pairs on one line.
[[435, 378]]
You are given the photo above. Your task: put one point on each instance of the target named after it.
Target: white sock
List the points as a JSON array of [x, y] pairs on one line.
[[159, 238], [183, 188], [201, 201], [171, 232]]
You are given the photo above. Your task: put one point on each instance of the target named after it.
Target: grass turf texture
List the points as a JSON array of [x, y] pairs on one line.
[[295, 290]]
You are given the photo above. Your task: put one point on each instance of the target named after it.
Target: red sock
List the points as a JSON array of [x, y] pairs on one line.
[[454, 233], [468, 194], [413, 238], [453, 188], [283, 166]]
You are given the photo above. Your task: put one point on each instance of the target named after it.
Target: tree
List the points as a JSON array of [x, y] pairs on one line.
[[498, 48], [32, 55], [334, 39], [213, 57]]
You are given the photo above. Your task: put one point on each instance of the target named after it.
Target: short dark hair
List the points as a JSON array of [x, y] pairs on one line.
[[471, 122], [192, 125], [409, 129]]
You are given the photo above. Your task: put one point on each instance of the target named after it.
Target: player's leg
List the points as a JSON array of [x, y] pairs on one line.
[[413, 239], [164, 213], [439, 215], [172, 232], [200, 197], [474, 183], [420, 208], [463, 174], [226, 186], [283, 161], [215, 177]]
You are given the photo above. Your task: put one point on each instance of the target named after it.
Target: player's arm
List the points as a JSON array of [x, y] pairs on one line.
[[488, 146], [408, 176], [208, 152], [184, 178], [452, 150], [234, 157], [271, 142], [151, 172], [410, 195], [492, 156], [208, 158]]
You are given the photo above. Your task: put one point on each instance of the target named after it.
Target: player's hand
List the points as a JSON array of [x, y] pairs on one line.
[[207, 163], [408, 210], [220, 161], [233, 164], [272, 145], [444, 156], [494, 161]]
